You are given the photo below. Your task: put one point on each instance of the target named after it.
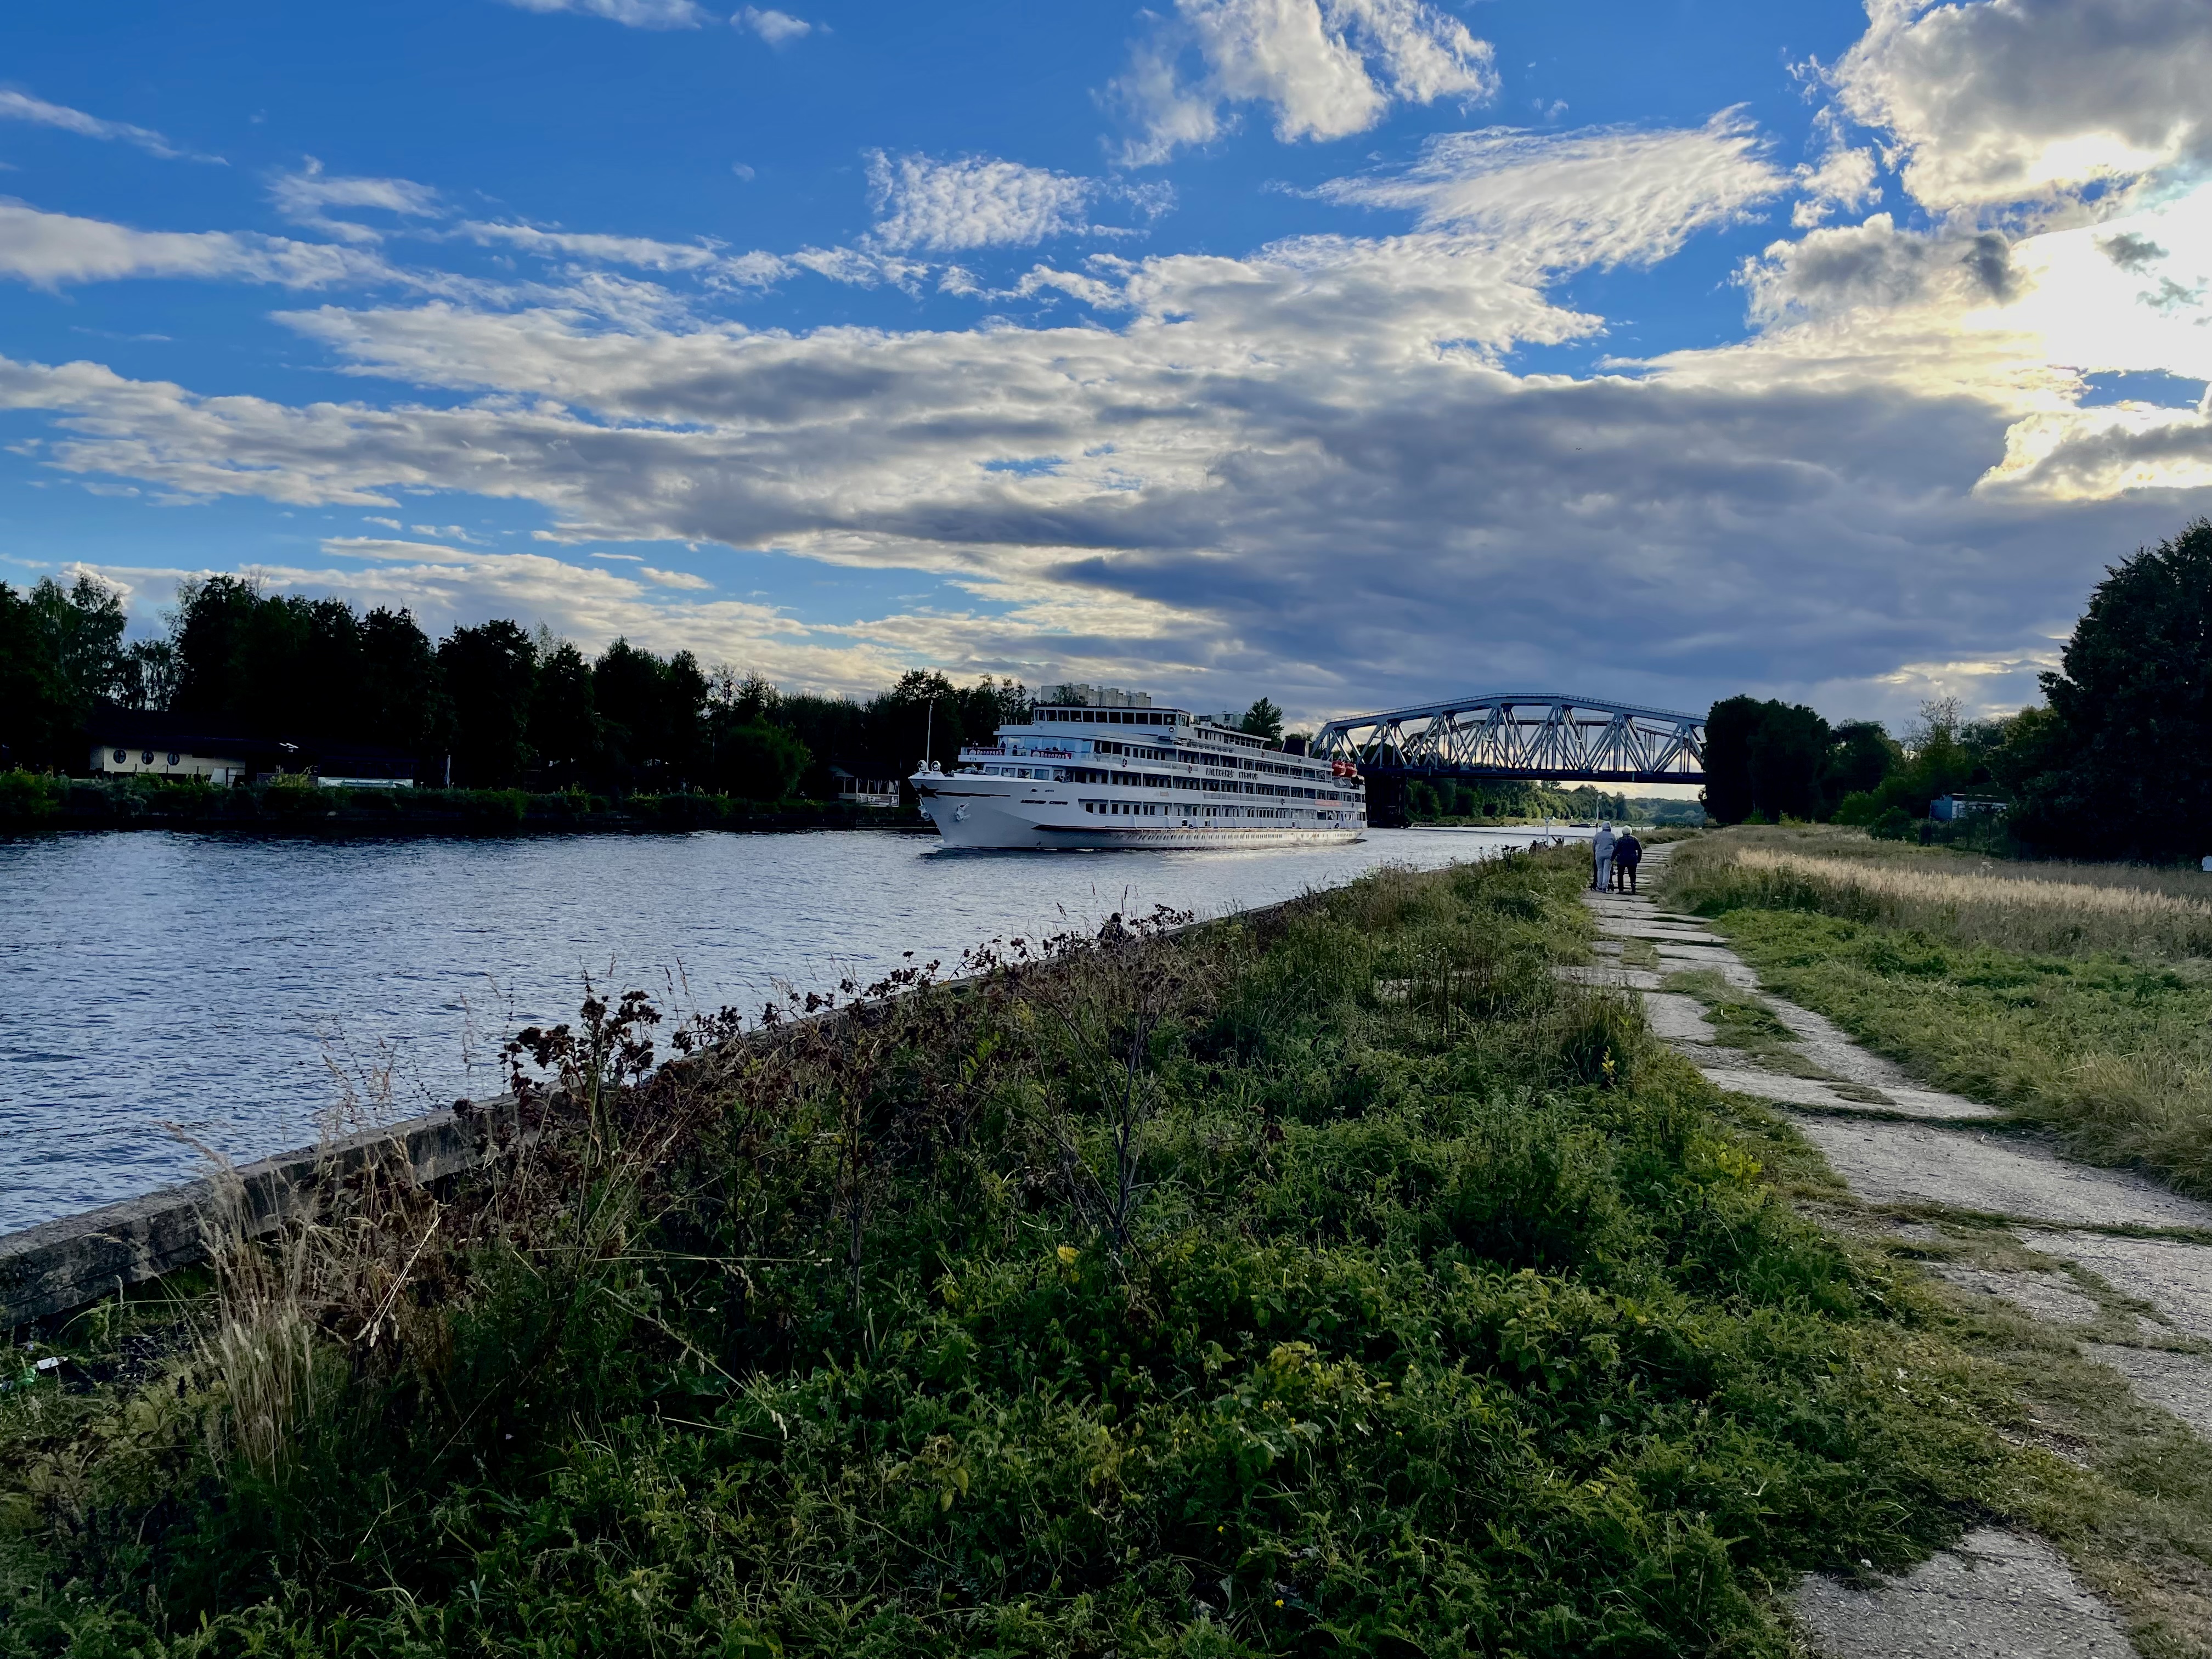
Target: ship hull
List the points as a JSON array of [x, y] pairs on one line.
[[982, 817]]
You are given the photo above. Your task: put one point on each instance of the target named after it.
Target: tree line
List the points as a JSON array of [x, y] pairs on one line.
[[2115, 762], [507, 708]]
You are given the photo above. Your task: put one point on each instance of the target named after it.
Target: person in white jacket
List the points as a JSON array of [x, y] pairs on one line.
[[1601, 858]]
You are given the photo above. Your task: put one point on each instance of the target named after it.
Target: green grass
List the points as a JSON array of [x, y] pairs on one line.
[[1174, 1296]]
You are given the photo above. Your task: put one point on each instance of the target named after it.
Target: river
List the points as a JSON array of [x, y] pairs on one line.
[[160, 990]]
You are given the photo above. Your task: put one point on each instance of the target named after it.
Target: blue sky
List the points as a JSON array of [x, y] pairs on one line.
[[1352, 351]]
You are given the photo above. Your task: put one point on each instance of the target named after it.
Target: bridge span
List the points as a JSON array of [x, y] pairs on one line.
[[1539, 736]]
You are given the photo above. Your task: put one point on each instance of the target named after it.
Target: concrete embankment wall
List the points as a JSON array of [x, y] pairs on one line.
[[71, 1262]]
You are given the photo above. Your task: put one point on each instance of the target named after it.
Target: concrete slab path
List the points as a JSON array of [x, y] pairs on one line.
[[1894, 1141]]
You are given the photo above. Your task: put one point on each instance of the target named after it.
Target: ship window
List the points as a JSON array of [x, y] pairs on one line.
[[121, 755], [145, 758], [172, 757]]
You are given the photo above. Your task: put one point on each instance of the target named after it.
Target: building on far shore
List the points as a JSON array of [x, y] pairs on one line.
[[1950, 808], [129, 742]]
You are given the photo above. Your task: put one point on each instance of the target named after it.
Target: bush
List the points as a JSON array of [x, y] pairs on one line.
[[1894, 823], [28, 798]]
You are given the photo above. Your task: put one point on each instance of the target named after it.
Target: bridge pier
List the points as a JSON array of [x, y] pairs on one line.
[[1389, 804]]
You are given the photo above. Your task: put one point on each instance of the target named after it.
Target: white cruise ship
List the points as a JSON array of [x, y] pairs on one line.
[[1084, 777]]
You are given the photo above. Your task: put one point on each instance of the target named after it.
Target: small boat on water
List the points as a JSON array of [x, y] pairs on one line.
[[1090, 778]]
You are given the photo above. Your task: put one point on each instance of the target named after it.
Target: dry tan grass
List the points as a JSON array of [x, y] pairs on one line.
[[2061, 907]]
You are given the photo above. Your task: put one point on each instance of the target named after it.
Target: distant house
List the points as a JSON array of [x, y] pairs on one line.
[[1949, 808], [126, 741], [131, 741], [864, 791]]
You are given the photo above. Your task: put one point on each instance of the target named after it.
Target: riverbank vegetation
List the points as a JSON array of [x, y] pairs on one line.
[[1331, 1282], [32, 801], [2079, 995]]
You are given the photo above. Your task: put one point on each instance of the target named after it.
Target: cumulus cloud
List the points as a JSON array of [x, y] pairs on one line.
[[53, 250], [1604, 196], [1843, 180], [976, 201], [1325, 68], [307, 197], [2001, 101], [778, 28], [22, 106], [633, 14]]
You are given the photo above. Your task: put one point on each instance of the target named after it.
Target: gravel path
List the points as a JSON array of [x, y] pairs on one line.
[[1997, 1594]]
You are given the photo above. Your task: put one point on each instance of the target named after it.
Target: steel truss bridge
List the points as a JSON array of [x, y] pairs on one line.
[[1534, 735]]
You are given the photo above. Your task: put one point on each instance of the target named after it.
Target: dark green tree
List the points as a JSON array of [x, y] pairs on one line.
[[565, 731], [397, 702], [988, 704], [1764, 759], [1262, 720], [920, 716], [224, 649], [2124, 767], [148, 676], [1861, 754], [61, 651], [490, 675], [756, 760], [835, 731], [652, 713]]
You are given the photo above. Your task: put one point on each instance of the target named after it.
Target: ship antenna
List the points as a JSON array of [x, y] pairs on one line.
[[928, 731]]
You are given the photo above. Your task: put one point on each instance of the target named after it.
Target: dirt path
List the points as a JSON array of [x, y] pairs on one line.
[[1921, 1155]]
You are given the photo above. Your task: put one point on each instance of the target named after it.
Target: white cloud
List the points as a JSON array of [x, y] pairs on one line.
[[1326, 67], [2000, 101], [1602, 196], [972, 202], [861, 268], [386, 548], [50, 250], [634, 14], [708, 258], [1845, 180], [674, 578], [776, 27], [22, 106], [306, 197]]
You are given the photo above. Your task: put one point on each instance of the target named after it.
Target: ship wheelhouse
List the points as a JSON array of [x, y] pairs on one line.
[[1077, 775]]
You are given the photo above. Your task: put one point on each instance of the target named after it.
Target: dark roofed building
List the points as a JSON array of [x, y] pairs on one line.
[[130, 741]]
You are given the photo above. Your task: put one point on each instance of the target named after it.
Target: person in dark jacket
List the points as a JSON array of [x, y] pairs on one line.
[[1627, 854]]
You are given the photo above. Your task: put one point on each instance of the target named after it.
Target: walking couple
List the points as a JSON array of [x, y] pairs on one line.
[[1614, 858]]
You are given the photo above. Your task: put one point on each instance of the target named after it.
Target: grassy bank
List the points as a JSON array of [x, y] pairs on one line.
[[2079, 995], [31, 802], [1340, 1284]]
